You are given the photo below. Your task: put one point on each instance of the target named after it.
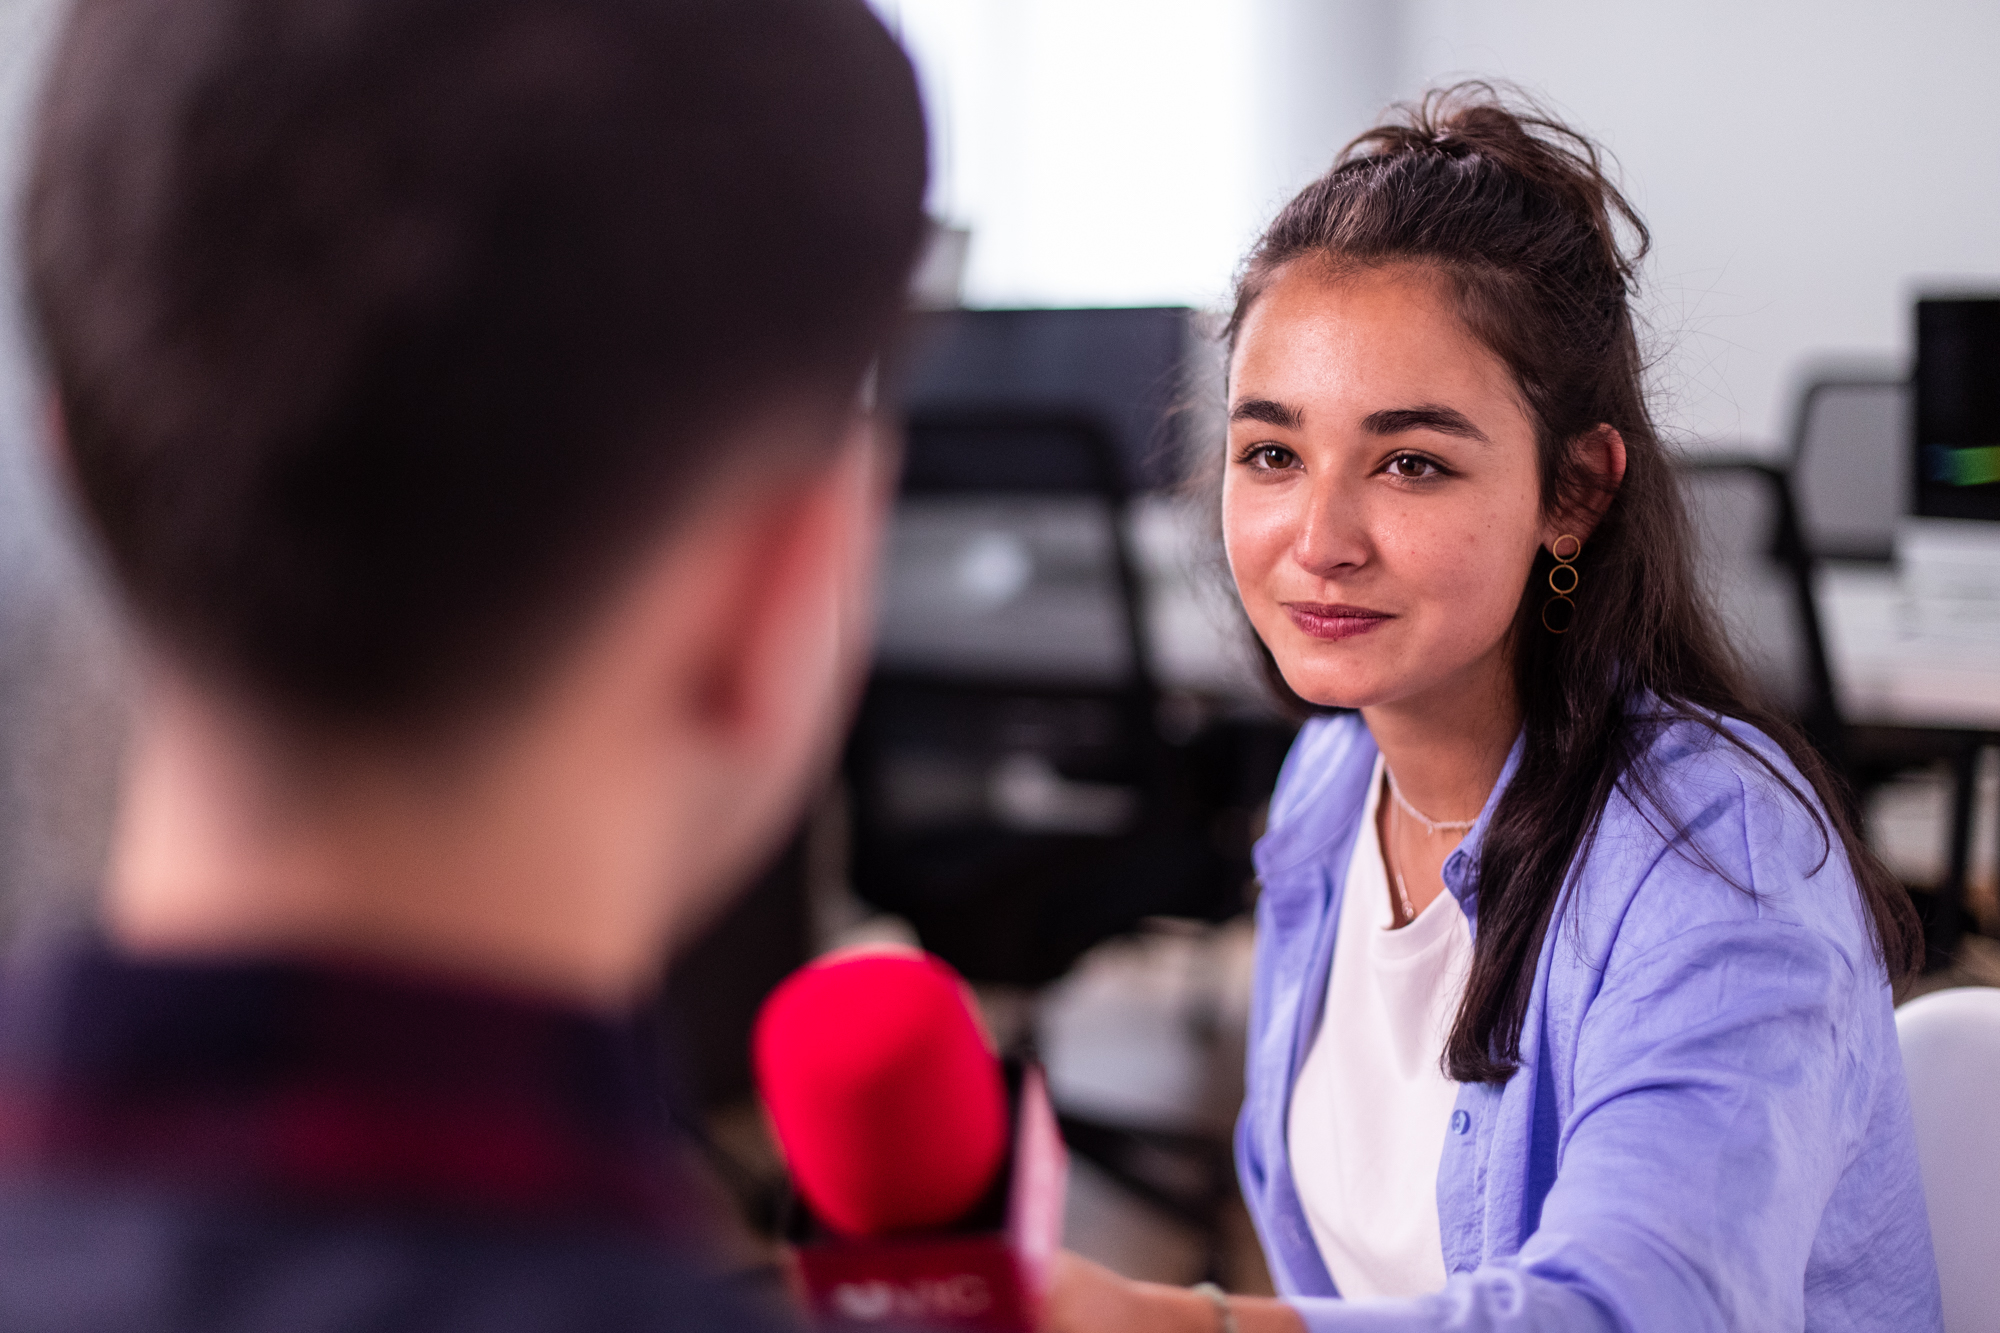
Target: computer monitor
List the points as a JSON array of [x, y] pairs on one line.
[[1128, 369], [1957, 435]]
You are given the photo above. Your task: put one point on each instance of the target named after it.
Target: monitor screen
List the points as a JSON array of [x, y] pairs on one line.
[[1126, 369], [1958, 408]]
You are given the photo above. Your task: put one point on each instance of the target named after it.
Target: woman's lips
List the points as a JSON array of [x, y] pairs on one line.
[[1324, 621]]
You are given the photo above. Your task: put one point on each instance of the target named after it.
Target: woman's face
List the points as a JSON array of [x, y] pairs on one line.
[[1382, 503]]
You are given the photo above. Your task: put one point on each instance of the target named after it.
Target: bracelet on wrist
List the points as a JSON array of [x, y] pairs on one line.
[[1225, 1317]]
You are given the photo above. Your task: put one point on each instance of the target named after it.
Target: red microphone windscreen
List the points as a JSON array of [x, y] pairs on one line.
[[889, 1105]]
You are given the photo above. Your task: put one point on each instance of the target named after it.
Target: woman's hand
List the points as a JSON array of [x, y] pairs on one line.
[[1089, 1298]]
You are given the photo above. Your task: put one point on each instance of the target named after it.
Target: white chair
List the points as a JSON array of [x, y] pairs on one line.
[[1951, 1052]]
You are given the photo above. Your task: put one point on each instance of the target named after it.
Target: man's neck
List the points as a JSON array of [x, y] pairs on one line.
[[237, 839]]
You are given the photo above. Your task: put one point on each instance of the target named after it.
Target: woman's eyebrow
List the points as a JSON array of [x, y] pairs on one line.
[[1443, 420], [1269, 412]]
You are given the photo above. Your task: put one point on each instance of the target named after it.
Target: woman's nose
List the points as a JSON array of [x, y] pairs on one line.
[[1331, 537]]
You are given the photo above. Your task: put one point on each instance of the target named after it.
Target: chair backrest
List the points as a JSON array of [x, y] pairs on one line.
[[1851, 464], [1009, 555], [1010, 790], [1951, 1055], [1757, 570]]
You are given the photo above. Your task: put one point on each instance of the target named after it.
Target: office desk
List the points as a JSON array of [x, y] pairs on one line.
[[1886, 676], [1889, 677]]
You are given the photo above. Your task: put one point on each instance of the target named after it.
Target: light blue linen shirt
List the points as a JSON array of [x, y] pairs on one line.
[[1710, 1127]]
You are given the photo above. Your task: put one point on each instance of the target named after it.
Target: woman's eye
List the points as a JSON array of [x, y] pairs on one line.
[[1268, 457], [1414, 467]]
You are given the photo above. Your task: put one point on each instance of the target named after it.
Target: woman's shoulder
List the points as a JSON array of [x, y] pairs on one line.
[[1698, 770], [1324, 747], [1320, 789], [1714, 825]]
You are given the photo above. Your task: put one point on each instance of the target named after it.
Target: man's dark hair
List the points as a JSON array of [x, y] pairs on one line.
[[387, 331]]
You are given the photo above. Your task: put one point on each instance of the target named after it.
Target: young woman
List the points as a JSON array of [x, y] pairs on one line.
[[1572, 1006]]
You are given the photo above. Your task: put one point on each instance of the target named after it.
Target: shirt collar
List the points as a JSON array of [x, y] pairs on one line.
[[1460, 868]]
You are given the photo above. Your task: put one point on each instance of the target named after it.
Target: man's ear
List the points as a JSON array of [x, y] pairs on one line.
[[1600, 456], [801, 619]]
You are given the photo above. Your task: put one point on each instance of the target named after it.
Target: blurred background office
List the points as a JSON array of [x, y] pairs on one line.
[[1059, 765]]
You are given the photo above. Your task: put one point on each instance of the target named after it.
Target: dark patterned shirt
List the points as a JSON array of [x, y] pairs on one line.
[[262, 1146]]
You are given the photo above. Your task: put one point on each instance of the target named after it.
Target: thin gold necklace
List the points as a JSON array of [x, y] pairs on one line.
[[1431, 826]]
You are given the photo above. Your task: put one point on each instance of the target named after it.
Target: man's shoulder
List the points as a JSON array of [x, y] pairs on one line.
[[77, 1256]]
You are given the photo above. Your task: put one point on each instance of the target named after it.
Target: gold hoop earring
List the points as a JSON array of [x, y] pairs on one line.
[[1562, 587]]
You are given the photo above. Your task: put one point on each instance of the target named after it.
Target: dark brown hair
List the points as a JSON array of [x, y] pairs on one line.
[[1538, 251], [387, 331]]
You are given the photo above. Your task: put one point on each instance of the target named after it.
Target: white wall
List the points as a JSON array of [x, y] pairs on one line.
[[1805, 166], [1127, 152], [1092, 154]]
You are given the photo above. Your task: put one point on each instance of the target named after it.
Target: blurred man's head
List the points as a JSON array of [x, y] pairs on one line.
[[433, 369], [386, 330]]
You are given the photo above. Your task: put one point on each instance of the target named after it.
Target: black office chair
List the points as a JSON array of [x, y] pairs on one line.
[[1761, 567], [1010, 789], [1753, 559], [1850, 463], [1011, 793]]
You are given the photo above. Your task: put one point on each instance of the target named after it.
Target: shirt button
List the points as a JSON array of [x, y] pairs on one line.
[[1460, 1122]]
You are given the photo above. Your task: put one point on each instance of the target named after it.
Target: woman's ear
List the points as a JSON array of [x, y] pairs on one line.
[[1599, 455]]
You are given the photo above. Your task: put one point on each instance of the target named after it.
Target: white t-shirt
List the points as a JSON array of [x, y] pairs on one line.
[[1369, 1113]]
